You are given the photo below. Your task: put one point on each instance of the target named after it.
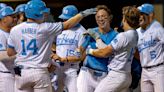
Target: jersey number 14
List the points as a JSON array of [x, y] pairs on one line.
[[31, 46]]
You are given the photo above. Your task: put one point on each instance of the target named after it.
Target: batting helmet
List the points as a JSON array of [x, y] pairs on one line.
[[6, 11], [20, 8], [146, 8], [35, 9], [68, 12]]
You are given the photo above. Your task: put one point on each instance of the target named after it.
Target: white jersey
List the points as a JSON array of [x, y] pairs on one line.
[[151, 44], [5, 65], [124, 47], [33, 42], [68, 41]]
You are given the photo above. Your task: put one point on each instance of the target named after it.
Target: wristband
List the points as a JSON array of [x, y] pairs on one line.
[[91, 51]]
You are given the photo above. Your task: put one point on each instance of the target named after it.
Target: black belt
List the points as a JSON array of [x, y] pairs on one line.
[[147, 67]]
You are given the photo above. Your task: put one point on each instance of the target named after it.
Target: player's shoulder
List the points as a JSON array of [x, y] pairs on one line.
[[82, 29], [113, 32], [18, 26], [156, 25], [3, 34]]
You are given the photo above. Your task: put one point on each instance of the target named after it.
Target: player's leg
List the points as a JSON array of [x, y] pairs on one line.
[[146, 84], [19, 81], [85, 83], [114, 82], [6, 82], [159, 79], [60, 79], [71, 81]]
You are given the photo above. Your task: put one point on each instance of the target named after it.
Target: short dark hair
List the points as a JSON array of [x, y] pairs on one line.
[[104, 7], [132, 15]]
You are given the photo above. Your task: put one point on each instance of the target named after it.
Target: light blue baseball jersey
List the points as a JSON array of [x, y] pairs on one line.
[[151, 44], [4, 65], [123, 47], [33, 42], [95, 62], [68, 41]]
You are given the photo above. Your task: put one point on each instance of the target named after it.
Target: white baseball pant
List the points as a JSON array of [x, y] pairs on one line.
[[33, 80], [152, 79], [88, 79], [7, 82], [115, 82], [67, 77]]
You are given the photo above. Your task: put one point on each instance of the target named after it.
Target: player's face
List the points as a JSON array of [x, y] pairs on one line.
[[144, 20], [21, 17], [102, 19], [11, 20], [124, 24]]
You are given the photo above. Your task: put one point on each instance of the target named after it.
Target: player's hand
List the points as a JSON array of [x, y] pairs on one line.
[[88, 12], [55, 57], [51, 68], [95, 35]]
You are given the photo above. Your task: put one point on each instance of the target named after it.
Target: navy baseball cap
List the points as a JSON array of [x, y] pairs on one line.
[[146, 8], [68, 12], [6, 11]]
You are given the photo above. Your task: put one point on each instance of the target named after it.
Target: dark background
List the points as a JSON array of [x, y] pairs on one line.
[[115, 6]]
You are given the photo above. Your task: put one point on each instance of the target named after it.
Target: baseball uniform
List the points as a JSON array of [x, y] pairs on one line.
[[6, 64], [6, 67], [151, 51], [33, 42], [94, 69], [66, 45], [119, 75]]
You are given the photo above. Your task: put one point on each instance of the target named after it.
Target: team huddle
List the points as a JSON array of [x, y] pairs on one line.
[[41, 56]]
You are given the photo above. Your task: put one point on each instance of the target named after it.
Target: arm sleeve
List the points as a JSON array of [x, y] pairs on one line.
[[53, 28], [119, 42], [10, 42], [3, 43]]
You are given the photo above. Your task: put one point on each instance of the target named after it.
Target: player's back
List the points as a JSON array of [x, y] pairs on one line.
[[124, 46], [33, 42]]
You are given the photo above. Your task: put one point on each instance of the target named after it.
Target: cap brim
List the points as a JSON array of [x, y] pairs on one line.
[[64, 17], [46, 10]]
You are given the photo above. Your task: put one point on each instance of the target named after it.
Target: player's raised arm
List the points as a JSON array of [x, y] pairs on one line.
[[77, 18]]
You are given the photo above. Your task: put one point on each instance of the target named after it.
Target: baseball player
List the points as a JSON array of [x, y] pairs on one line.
[[151, 50], [95, 69], [20, 9], [123, 47], [31, 42], [7, 20], [66, 44]]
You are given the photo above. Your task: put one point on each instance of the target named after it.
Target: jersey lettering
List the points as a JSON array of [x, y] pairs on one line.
[[31, 46]]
